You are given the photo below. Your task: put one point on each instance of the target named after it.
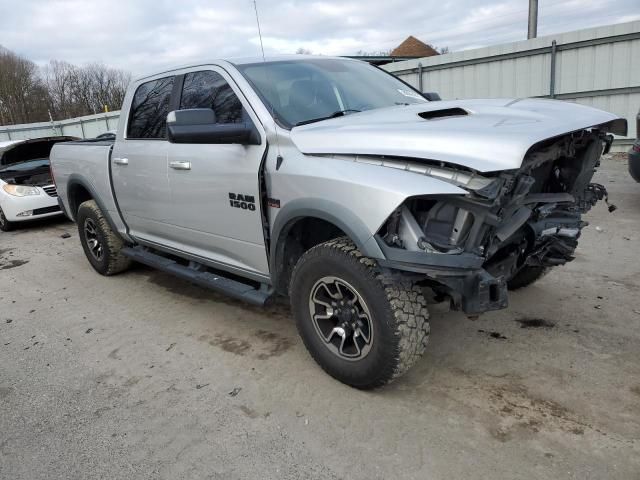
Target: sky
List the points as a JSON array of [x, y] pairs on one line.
[[140, 35]]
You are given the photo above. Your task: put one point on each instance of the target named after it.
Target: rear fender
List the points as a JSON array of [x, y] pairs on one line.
[[71, 205]]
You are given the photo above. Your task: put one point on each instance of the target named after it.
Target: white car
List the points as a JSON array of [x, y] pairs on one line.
[[27, 190]]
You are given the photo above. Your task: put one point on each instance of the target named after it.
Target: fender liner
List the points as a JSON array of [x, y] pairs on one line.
[[326, 210], [78, 180]]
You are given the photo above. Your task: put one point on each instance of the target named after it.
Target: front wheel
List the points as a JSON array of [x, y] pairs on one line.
[[364, 326]]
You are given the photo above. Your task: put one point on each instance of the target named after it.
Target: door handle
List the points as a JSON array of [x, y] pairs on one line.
[[121, 161], [180, 165]]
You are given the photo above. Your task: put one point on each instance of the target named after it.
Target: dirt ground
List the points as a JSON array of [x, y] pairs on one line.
[[146, 376]]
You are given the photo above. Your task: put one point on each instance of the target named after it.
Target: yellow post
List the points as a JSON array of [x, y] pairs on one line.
[[106, 109]]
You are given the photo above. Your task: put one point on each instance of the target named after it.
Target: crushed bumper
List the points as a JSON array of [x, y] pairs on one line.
[[471, 288], [468, 247]]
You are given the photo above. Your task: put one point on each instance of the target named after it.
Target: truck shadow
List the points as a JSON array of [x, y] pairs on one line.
[[455, 340], [278, 307], [450, 330]]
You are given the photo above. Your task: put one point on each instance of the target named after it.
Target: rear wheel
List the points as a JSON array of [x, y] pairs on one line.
[[101, 244], [5, 225], [526, 276], [364, 326]]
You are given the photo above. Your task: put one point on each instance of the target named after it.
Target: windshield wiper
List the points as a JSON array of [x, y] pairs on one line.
[[339, 113]]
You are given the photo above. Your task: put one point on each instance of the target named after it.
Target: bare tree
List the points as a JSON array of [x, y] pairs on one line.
[[377, 53], [60, 78], [29, 94], [23, 97], [76, 91], [387, 53], [303, 51], [107, 86]]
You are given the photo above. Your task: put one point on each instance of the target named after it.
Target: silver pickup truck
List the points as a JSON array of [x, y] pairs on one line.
[[335, 183]]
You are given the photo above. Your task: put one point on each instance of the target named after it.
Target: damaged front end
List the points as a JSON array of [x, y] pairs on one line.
[[469, 247], [31, 173]]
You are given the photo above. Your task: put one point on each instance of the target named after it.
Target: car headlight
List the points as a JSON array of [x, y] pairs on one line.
[[20, 190]]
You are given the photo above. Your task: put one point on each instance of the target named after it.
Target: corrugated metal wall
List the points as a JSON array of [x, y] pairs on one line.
[[89, 126], [599, 67]]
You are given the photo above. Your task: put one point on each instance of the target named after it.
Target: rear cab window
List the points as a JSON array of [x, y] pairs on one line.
[[149, 109]]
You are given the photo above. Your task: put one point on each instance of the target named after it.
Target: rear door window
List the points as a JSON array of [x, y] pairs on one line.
[[208, 89], [149, 109]]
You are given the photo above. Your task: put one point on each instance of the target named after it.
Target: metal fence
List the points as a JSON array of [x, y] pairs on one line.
[[599, 67], [83, 127]]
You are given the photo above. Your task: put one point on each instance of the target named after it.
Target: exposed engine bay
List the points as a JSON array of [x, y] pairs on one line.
[[27, 163], [530, 217], [34, 173]]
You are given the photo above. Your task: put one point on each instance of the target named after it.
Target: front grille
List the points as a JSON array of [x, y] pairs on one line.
[[51, 190], [42, 211]]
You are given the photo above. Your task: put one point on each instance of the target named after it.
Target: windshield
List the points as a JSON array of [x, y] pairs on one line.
[[302, 91]]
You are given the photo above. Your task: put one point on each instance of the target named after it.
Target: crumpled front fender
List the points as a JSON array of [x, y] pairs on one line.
[[355, 197]]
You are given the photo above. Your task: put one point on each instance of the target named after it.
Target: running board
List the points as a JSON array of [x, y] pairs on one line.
[[229, 287]]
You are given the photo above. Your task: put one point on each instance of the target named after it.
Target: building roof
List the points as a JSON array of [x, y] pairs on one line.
[[378, 60], [412, 47]]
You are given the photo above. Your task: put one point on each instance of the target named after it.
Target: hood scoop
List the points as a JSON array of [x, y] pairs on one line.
[[443, 113]]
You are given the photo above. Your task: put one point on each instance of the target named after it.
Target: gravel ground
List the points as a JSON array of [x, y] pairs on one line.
[[145, 376]]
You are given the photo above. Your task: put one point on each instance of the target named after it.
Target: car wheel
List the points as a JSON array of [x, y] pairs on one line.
[[363, 325], [5, 225], [526, 276], [101, 244]]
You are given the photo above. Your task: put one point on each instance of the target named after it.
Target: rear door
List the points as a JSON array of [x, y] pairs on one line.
[[139, 162], [215, 197]]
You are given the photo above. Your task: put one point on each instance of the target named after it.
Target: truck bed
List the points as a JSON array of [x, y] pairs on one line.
[[86, 164]]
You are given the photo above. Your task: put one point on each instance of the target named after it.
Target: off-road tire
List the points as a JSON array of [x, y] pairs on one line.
[[112, 260], [5, 225], [526, 276], [398, 313]]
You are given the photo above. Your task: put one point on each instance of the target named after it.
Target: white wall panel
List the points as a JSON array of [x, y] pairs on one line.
[[611, 63], [89, 126]]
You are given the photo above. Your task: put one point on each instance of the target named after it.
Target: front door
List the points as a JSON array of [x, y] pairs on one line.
[[215, 198]]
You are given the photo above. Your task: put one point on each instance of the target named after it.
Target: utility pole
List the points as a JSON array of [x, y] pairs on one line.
[[533, 19]]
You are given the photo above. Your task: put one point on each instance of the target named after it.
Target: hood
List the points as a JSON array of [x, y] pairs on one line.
[[484, 135], [16, 151]]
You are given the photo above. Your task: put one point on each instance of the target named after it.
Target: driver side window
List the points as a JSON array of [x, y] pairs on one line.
[[208, 89]]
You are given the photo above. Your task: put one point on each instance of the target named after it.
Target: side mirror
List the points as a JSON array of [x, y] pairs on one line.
[[431, 96], [198, 125]]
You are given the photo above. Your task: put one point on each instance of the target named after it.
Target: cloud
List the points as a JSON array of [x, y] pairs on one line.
[[143, 34]]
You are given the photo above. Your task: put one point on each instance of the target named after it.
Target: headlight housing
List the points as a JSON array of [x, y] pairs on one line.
[[20, 190]]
